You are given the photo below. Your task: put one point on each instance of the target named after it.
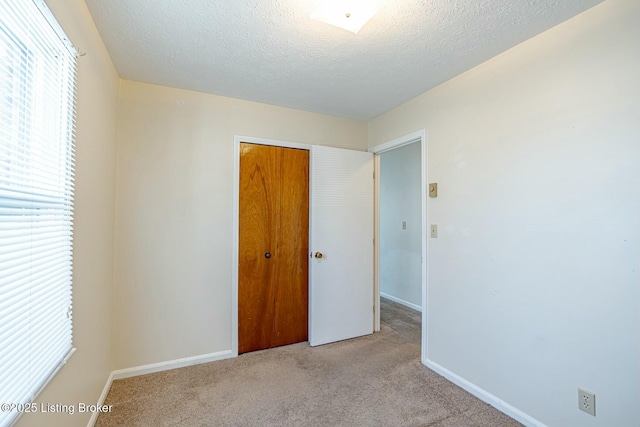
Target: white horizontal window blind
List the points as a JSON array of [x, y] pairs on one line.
[[37, 95]]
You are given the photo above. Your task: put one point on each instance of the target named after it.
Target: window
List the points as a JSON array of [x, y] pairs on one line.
[[37, 94]]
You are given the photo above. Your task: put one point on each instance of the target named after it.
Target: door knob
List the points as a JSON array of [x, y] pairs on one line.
[[318, 255], [267, 255]]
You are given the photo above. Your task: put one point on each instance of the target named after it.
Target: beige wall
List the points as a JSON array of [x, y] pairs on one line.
[[533, 280], [172, 289], [84, 376]]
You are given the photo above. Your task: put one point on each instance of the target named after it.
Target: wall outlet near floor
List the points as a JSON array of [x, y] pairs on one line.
[[587, 401]]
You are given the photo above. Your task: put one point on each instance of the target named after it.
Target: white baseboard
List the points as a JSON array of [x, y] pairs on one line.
[[101, 399], [156, 367], [401, 301], [171, 364], [485, 396]]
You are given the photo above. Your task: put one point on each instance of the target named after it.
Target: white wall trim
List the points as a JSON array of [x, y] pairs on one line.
[[101, 399], [235, 245], [417, 136], [401, 301], [376, 246], [398, 142], [485, 396], [156, 367], [273, 142], [425, 245], [237, 139], [171, 364]]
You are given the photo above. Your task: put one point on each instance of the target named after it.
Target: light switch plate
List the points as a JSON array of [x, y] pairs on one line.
[[433, 189], [434, 231]]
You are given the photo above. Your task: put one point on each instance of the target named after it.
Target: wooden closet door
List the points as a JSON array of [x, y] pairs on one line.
[[260, 170], [292, 242], [273, 245]]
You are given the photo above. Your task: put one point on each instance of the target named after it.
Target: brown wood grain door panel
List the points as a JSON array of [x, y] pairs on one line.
[[291, 304], [273, 218], [258, 221]]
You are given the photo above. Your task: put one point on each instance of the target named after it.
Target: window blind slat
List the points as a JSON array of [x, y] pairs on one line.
[[7, 307], [44, 295], [12, 242], [13, 315], [38, 259], [21, 367]]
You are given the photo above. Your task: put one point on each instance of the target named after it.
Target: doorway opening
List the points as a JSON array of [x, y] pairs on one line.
[[401, 230]]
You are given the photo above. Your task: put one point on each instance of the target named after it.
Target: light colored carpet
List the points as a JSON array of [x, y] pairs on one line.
[[376, 380]]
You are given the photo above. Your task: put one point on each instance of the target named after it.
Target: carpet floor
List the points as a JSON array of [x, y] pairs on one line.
[[376, 380]]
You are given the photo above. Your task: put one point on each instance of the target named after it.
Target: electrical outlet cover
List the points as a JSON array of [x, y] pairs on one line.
[[587, 401]]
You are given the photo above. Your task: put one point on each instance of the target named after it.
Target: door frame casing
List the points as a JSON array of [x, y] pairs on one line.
[[237, 139], [418, 136]]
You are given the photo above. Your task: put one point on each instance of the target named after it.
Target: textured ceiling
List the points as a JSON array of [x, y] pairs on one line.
[[271, 51]]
